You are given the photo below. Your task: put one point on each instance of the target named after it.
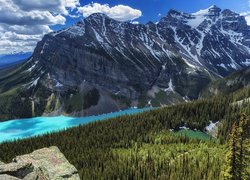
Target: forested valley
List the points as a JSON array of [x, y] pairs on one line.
[[148, 145]]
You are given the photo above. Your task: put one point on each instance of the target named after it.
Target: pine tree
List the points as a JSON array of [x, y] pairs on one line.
[[237, 158], [244, 147], [231, 168]]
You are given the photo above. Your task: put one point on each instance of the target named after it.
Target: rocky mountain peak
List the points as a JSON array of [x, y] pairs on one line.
[[96, 16], [211, 11], [214, 10], [228, 12], [175, 14]]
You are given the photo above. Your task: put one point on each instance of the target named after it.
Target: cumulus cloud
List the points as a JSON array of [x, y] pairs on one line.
[[24, 22], [45, 5], [56, 6], [248, 19], [119, 12], [8, 46], [11, 14], [247, 16], [27, 29], [72, 4]]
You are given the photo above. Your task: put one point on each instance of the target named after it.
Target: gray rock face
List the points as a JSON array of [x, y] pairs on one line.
[[46, 163], [8, 177]]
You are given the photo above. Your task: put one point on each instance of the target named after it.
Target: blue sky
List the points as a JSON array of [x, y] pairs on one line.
[[152, 10], [24, 22]]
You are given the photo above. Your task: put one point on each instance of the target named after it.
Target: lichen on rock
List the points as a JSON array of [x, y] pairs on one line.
[[46, 163]]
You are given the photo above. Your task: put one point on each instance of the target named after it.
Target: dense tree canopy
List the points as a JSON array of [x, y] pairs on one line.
[[146, 146]]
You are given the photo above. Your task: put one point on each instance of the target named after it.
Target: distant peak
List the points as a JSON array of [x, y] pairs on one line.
[[213, 7], [212, 10], [97, 15], [175, 13]]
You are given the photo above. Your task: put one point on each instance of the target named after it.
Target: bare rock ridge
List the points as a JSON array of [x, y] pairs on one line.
[[47, 163]]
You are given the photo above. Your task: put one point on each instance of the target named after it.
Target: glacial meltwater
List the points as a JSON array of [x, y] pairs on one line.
[[24, 128]]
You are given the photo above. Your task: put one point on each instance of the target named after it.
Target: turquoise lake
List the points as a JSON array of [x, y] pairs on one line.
[[24, 128]]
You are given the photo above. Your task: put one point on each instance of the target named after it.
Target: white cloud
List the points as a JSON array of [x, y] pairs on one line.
[[42, 5], [248, 19], [19, 37], [12, 14], [119, 12], [26, 29], [16, 46], [55, 6], [24, 22], [247, 16], [72, 3]]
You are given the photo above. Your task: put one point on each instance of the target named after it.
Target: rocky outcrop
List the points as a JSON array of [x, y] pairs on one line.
[[42, 164]]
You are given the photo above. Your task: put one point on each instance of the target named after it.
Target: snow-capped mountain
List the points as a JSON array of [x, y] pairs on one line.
[[125, 64], [215, 39]]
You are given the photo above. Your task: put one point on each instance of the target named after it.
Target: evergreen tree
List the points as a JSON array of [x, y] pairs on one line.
[[237, 158], [244, 147], [231, 168]]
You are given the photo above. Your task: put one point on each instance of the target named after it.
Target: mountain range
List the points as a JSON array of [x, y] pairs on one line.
[[100, 65], [8, 60]]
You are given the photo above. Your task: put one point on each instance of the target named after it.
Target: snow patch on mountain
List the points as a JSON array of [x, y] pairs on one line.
[[195, 21], [247, 62], [32, 67], [170, 86], [98, 37], [202, 12], [222, 65]]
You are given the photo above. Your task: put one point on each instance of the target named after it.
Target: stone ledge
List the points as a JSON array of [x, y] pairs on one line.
[[46, 163]]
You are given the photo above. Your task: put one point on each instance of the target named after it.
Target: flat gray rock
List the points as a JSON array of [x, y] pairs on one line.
[[7, 177], [46, 163]]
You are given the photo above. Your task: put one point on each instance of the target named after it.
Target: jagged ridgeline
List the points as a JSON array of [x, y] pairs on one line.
[[143, 147]]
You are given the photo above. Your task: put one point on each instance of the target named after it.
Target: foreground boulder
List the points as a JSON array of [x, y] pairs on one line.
[[46, 163]]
